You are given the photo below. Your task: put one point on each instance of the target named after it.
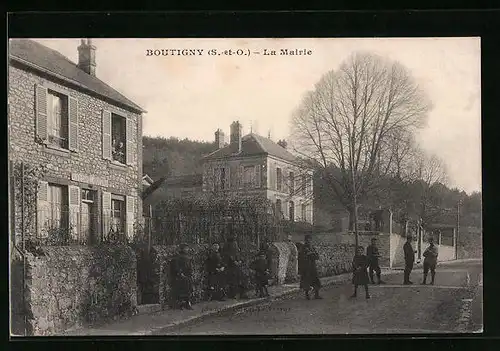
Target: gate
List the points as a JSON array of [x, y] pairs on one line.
[[147, 290]]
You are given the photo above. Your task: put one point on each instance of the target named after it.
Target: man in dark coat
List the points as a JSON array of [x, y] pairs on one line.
[[234, 269], [430, 261], [308, 271], [264, 249], [215, 274], [409, 259], [261, 268], [373, 256], [181, 274], [360, 275]]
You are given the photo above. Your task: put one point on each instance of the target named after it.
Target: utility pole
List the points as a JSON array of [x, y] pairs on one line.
[[458, 229], [355, 205]]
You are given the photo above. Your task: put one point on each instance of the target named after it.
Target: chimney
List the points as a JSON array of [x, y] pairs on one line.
[[86, 56], [219, 139], [282, 143], [235, 137]]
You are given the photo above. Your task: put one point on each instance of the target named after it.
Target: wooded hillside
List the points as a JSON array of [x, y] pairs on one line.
[[174, 157]]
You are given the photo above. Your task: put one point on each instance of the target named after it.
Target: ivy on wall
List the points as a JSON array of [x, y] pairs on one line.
[[25, 179]]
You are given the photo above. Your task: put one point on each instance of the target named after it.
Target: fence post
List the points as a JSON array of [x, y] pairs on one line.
[[149, 222]]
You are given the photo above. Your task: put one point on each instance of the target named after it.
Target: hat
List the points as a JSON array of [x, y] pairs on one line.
[[308, 237], [183, 246], [409, 236]]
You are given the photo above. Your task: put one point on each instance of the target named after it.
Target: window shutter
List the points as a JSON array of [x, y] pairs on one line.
[[130, 216], [272, 173], [43, 208], [129, 148], [257, 176], [284, 180], [74, 211], [228, 178], [241, 175], [41, 112], [213, 178], [73, 123], [106, 214], [309, 185], [106, 135]]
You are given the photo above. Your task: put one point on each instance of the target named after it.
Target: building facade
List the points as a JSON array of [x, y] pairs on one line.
[[253, 165], [85, 134]]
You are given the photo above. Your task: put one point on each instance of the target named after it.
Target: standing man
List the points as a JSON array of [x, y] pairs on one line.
[[215, 274], [234, 269], [308, 271], [181, 273], [373, 255], [430, 261], [409, 259]]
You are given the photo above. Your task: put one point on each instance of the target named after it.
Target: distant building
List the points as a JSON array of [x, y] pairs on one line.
[[87, 134], [253, 165]]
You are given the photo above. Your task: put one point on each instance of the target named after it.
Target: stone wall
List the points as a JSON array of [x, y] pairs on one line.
[[70, 287], [161, 256], [334, 259], [16, 294], [284, 267], [343, 239], [446, 253], [397, 253]]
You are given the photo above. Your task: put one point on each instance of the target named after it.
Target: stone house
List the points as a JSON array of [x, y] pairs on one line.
[[253, 165], [87, 134]]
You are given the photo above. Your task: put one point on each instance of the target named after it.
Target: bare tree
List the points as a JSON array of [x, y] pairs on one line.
[[347, 123], [430, 174]]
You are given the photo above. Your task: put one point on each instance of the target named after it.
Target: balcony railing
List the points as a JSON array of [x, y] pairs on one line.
[[60, 226]]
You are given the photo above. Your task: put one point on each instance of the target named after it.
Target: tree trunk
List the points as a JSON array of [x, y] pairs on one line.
[[353, 220], [355, 212]]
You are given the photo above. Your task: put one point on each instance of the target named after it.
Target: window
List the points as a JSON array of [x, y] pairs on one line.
[[57, 119], [304, 185], [118, 138], [304, 212], [117, 214], [292, 182], [248, 176], [221, 178], [291, 211], [279, 179], [57, 216]]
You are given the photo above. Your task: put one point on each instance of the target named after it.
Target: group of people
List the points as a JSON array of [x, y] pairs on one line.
[[364, 266], [225, 274]]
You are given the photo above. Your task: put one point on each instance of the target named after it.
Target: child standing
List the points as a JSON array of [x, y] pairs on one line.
[[260, 266], [360, 274]]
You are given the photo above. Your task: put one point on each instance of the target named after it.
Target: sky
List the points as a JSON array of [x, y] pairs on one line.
[[191, 96]]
